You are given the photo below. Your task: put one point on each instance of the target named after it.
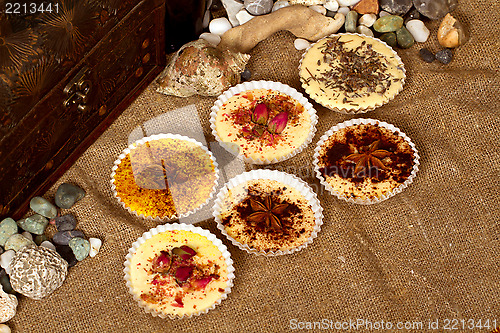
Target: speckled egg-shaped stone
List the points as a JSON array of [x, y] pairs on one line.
[[8, 227], [37, 271], [35, 224], [66, 222], [8, 306], [80, 247], [43, 207], [17, 242]]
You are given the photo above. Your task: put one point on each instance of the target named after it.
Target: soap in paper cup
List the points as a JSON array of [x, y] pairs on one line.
[[341, 193], [330, 89], [164, 177], [244, 139], [238, 189], [159, 238]]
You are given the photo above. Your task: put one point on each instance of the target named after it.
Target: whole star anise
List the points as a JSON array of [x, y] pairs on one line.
[[267, 212], [368, 156]]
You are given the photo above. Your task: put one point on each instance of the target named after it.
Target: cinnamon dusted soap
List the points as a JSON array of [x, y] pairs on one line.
[[366, 161], [351, 73], [267, 215]]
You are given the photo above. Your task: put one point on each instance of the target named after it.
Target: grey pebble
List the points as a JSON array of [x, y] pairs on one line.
[[351, 21], [426, 55], [43, 207], [17, 242], [445, 56], [396, 7], [258, 7], [65, 223], [63, 237], [246, 75], [5, 282], [67, 195]]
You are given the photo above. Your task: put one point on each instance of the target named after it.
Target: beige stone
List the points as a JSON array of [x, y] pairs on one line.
[[299, 20], [451, 33]]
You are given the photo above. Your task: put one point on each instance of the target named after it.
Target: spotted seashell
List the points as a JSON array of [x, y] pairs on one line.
[[37, 271], [8, 305], [200, 68]]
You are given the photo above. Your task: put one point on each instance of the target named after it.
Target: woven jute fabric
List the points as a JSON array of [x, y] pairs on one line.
[[427, 255]]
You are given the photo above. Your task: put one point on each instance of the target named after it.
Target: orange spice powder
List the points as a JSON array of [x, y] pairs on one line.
[[176, 197]]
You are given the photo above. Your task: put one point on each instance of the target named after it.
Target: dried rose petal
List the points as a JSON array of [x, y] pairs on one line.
[[260, 114], [278, 123], [184, 252], [183, 273], [162, 262], [201, 283]]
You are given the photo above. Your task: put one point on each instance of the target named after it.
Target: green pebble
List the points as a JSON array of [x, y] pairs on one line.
[[39, 239], [43, 207], [351, 19], [404, 37], [388, 23], [80, 247], [8, 227], [17, 242], [35, 224], [390, 38]]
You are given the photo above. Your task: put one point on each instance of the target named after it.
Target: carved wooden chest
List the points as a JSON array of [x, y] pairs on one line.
[[65, 75]]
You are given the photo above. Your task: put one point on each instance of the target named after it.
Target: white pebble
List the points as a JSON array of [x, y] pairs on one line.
[[219, 26], [318, 8], [243, 16], [301, 44], [344, 10], [346, 3], [48, 245], [211, 38], [28, 235], [232, 7], [95, 246], [280, 4], [331, 5], [6, 258], [4, 328], [367, 20], [418, 30], [383, 13], [364, 30]]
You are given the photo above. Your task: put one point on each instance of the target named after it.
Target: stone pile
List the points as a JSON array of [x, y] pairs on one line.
[[399, 23], [33, 265]]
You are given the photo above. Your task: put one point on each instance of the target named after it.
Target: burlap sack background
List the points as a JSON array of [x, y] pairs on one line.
[[428, 253]]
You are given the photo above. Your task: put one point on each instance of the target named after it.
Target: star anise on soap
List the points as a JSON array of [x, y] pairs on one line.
[[157, 176], [267, 211], [368, 156]]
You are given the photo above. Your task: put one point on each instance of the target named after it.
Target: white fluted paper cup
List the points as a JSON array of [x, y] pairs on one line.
[[296, 138], [238, 185], [330, 100], [188, 197], [153, 240], [358, 200]]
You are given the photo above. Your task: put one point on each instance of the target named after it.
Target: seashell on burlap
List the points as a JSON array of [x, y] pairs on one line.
[[200, 68], [8, 305], [37, 271]]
